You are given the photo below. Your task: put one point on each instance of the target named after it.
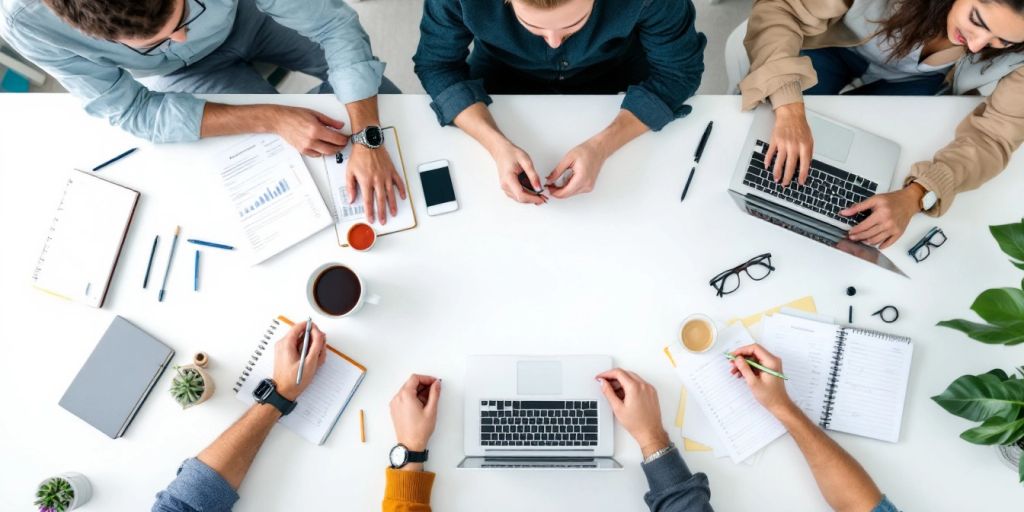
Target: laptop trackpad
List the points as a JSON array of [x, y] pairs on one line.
[[539, 377], [830, 140]]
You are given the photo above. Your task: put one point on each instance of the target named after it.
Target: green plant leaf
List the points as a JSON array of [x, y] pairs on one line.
[[991, 334], [1000, 306], [1010, 238], [995, 431], [983, 397], [999, 373]]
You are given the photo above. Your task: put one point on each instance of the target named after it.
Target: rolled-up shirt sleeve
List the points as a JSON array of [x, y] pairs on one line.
[[354, 73], [675, 56], [673, 488], [197, 488], [110, 92], [440, 61]]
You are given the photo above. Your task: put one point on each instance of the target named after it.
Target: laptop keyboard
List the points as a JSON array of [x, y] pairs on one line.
[[828, 189], [538, 423]]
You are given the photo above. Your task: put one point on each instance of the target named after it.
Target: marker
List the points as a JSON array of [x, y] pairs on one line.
[[210, 244], [116, 158], [305, 349], [170, 259], [757, 365], [149, 266], [195, 275]]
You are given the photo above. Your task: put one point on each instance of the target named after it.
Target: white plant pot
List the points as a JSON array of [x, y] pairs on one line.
[[1010, 455], [79, 484]]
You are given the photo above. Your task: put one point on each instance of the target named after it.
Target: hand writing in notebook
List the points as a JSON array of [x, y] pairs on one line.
[[286, 359], [414, 411], [769, 390]]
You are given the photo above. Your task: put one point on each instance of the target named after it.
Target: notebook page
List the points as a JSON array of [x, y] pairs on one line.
[[85, 238], [805, 347], [872, 385], [743, 426]]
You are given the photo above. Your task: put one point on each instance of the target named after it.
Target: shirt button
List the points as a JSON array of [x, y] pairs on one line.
[[560, 77], [565, 63]]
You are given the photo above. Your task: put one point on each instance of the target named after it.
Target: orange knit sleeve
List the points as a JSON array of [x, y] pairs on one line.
[[407, 491]]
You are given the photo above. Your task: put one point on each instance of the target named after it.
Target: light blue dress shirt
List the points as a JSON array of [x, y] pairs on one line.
[[102, 73]]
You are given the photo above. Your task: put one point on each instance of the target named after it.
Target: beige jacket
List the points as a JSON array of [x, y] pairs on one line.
[[985, 140]]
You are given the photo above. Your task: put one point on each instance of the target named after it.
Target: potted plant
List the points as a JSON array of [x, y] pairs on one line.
[[66, 491], [191, 386], [995, 399]]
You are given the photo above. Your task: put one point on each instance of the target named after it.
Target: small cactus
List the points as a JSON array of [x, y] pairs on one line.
[[55, 495], [187, 386]]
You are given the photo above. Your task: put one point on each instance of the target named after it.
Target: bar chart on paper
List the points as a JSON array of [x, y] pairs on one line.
[[276, 200]]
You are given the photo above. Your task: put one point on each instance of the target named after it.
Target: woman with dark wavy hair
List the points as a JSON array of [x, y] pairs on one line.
[[894, 47]]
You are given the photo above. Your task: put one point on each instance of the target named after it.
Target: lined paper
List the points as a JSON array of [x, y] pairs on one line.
[[805, 347]]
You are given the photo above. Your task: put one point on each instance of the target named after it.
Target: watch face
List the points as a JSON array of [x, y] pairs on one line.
[[263, 389], [374, 136], [399, 455]]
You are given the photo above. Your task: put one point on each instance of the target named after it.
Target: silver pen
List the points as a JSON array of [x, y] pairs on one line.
[[305, 349]]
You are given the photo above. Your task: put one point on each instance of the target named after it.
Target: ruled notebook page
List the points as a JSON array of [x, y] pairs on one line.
[[872, 385], [805, 348]]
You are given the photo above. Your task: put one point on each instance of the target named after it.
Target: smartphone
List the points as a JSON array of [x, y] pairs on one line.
[[437, 187]]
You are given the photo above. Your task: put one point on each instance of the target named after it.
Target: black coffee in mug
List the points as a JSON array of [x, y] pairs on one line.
[[337, 290]]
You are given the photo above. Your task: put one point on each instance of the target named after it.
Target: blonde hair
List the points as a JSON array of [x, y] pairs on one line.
[[542, 4]]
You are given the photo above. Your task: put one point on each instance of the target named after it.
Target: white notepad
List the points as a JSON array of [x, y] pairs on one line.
[[274, 198], [846, 379], [321, 404], [346, 214], [85, 239]]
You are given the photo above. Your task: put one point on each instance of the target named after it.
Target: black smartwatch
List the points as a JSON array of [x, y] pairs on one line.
[[371, 137], [401, 455], [266, 393]]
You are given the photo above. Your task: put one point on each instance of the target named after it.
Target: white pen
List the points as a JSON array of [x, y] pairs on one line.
[[305, 348]]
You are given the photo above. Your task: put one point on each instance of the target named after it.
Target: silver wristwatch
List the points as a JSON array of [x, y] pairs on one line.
[[658, 454], [371, 136], [929, 198]]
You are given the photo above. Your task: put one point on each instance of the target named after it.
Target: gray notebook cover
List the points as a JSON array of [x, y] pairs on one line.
[[117, 377]]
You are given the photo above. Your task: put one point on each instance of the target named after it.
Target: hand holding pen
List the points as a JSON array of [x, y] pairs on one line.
[[768, 388], [288, 360]]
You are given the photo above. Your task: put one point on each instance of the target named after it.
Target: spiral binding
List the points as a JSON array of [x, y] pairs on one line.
[[255, 357], [833, 379], [882, 335]]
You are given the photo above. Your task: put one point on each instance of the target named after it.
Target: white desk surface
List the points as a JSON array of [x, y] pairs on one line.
[[612, 272]]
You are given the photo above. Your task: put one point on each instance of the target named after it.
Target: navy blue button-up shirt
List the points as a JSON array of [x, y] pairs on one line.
[[656, 36]]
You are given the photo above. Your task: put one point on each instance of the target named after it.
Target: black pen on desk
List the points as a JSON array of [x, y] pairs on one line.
[[149, 266], [696, 158], [116, 158]]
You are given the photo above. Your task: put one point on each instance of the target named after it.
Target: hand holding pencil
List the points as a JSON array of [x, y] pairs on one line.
[[768, 388]]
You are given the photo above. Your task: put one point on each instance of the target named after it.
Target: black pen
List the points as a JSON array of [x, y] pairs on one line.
[[696, 157], [149, 266], [116, 158]]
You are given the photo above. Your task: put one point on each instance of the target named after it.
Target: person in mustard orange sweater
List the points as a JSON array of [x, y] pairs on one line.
[[414, 413]]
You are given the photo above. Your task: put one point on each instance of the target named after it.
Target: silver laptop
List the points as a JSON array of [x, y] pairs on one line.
[[537, 412], [849, 165]]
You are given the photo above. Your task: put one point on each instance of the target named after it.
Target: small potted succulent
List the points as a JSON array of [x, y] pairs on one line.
[[192, 385], [63, 492]]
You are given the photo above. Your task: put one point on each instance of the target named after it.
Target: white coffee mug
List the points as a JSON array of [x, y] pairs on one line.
[[697, 317], [364, 295]]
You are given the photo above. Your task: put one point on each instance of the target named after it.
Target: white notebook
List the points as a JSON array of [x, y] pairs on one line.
[[346, 214], [321, 404], [272, 193], [85, 239], [846, 379]]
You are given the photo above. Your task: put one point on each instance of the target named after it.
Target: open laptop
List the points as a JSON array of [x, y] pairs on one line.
[[848, 166], [537, 412]]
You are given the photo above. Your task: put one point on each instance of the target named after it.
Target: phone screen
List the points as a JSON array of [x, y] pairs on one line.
[[437, 186]]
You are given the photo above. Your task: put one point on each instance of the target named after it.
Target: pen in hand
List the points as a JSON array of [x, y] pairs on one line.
[[759, 366], [305, 350]]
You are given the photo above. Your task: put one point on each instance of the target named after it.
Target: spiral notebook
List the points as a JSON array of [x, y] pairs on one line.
[[847, 379], [321, 404]]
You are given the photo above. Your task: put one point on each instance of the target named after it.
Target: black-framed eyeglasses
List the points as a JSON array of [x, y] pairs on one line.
[[923, 248], [888, 314], [756, 268], [188, 16]]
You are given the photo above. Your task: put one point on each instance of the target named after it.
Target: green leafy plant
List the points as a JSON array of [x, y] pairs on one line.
[[996, 400], [1001, 308], [55, 495], [188, 385]]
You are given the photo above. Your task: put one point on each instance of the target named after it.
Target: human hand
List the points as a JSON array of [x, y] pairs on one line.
[[769, 390], [414, 411], [635, 403], [890, 214], [510, 161], [791, 143], [585, 161], [307, 130], [374, 173], [286, 359]]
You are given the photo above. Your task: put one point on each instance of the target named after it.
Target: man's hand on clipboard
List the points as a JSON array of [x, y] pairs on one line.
[[377, 179]]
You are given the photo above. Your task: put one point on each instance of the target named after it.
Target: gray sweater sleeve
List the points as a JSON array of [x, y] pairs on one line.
[[673, 488]]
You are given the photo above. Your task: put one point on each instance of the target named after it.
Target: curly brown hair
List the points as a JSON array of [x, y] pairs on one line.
[[115, 19], [914, 22]]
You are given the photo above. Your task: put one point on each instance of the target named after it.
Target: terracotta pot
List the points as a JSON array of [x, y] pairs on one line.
[[79, 484], [207, 381]]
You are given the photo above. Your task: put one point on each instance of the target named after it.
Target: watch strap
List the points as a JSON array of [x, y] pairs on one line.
[[660, 453], [279, 402], [417, 456]]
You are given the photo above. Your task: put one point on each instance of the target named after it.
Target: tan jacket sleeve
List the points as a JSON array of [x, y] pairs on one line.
[[984, 142], [775, 35]]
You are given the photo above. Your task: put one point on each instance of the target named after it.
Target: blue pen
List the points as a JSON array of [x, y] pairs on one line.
[[210, 244], [116, 158], [195, 276], [170, 259]]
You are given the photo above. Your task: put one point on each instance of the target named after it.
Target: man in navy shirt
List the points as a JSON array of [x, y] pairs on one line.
[[648, 49]]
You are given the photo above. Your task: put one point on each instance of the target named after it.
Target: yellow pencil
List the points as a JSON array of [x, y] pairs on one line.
[[362, 426]]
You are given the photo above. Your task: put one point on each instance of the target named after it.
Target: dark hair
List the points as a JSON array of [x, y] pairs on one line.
[[115, 19], [915, 21]]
